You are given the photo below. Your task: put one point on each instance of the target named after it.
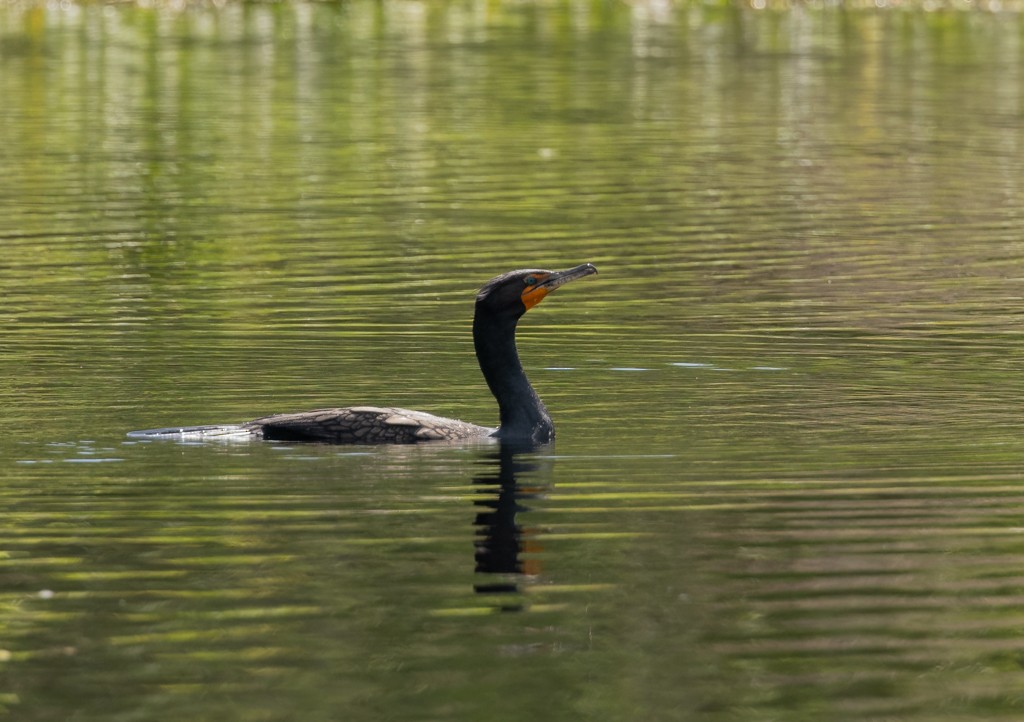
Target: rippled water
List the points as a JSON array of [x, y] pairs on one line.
[[787, 483]]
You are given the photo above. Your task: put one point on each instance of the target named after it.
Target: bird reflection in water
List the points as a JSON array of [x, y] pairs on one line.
[[505, 548]]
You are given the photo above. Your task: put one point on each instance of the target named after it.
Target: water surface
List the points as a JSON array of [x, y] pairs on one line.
[[787, 480]]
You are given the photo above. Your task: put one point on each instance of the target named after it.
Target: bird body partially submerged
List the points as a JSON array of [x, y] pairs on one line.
[[499, 305], [364, 425], [352, 425]]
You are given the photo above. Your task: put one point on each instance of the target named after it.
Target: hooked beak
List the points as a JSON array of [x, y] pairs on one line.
[[546, 284]]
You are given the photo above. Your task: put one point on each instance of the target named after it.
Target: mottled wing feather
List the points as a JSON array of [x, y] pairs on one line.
[[364, 425]]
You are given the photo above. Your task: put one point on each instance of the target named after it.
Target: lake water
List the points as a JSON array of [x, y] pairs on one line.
[[789, 476]]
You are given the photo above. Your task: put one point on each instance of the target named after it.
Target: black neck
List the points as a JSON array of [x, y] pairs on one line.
[[522, 414]]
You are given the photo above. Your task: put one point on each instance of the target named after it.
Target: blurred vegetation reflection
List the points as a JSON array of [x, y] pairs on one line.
[[787, 482]]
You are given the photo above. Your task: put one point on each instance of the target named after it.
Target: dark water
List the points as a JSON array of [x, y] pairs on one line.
[[788, 480]]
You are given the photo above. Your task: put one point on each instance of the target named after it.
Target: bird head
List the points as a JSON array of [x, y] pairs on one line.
[[516, 292]]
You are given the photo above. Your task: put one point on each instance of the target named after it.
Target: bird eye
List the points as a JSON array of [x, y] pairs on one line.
[[530, 280]]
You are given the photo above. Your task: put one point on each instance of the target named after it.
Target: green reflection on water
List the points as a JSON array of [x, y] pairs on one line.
[[787, 477]]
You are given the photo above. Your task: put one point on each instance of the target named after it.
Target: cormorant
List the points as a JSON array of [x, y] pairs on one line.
[[499, 305]]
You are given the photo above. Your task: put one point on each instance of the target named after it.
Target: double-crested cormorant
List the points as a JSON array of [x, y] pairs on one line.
[[499, 305]]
